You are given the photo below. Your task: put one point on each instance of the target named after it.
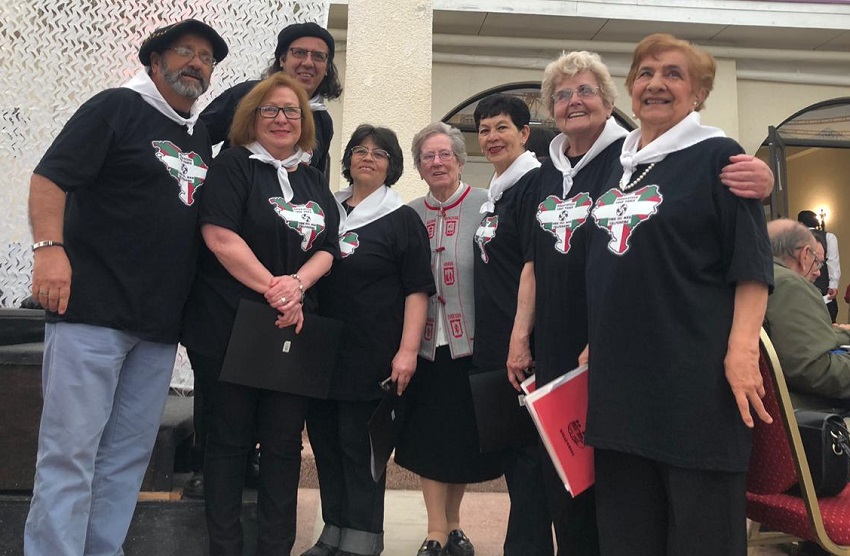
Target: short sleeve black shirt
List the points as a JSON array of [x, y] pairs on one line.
[[383, 262], [133, 180], [245, 197]]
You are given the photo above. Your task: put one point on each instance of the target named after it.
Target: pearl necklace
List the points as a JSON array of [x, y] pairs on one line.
[[636, 180]]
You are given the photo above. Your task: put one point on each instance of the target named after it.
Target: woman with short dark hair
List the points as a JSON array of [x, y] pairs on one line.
[[380, 289]]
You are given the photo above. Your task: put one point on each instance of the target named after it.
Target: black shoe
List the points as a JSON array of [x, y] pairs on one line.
[[431, 548], [459, 544], [322, 549], [194, 487]]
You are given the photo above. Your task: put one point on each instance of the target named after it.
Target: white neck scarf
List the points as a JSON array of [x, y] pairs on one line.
[[380, 202], [261, 154], [685, 134], [610, 133], [317, 104], [499, 184], [142, 84]]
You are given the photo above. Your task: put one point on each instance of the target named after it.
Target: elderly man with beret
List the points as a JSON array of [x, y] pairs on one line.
[[113, 208]]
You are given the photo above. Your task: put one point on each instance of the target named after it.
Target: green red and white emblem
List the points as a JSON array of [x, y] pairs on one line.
[[485, 233], [188, 169], [348, 243], [307, 219], [561, 218], [620, 213]]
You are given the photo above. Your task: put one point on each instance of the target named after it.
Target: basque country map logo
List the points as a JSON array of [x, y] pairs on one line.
[[188, 169], [348, 243], [307, 219], [562, 218], [485, 233], [620, 213]]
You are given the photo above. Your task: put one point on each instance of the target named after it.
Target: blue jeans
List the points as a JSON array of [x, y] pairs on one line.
[[104, 392]]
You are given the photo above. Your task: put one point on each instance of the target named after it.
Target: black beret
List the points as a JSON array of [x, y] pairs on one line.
[[163, 37], [298, 30]]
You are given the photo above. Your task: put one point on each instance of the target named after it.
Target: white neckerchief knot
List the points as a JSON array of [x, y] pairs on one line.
[[380, 202], [610, 133], [499, 184], [142, 84], [317, 104], [282, 166], [685, 134]]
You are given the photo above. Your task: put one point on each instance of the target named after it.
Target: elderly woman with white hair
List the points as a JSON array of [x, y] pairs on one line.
[[440, 441]]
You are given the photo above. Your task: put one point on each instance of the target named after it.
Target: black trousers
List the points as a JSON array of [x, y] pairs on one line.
[[239, 416], [648, 508], [574, 519], [529, 521], [206, 372], [339, 436]]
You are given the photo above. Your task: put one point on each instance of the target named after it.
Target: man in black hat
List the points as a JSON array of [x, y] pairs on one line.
[[113, 208], [305, 51]]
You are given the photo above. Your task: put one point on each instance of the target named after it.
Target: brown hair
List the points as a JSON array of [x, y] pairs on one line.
[[701, 64], [242, 130]]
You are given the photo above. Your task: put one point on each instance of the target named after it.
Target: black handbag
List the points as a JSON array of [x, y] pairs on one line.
[[827, 445]]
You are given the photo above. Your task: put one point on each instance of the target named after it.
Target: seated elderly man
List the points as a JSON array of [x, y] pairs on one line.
[[808, 344]]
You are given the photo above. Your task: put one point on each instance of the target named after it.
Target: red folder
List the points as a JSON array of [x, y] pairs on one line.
[[559, 410]]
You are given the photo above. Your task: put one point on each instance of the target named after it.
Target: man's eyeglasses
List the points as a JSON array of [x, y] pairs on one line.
[[186, 52], [289, 112], [302, 53], [583, 91], [429, 158], [377, 154]]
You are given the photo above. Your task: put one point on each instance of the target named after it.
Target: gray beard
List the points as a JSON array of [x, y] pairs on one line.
[[188, 90]]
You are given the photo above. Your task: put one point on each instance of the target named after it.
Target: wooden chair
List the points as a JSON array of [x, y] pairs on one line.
[[777, 461]]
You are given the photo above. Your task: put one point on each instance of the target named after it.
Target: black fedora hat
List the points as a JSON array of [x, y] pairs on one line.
[[164, 36]]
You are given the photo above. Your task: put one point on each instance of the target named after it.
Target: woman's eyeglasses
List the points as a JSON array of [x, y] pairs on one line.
[[289, 112], [377, 154]]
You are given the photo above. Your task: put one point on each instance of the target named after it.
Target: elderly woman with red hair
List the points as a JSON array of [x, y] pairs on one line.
[[681, 269]]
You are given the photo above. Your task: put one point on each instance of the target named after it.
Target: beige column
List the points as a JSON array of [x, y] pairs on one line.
[[388, 75]]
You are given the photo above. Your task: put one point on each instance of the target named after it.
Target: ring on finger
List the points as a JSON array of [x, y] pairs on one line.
[[283, 300]]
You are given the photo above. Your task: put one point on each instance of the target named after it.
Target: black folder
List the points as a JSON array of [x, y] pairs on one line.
[[502, 421], [383, 432], [264, 356]]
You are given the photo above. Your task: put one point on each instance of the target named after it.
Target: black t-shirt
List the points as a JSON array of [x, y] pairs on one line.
[[499, 258], [662, 266], [557, 245], [245, 197], [133, 179], [218, 116], [383, 262]]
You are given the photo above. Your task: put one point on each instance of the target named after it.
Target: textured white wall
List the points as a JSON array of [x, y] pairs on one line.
[[388, 77]]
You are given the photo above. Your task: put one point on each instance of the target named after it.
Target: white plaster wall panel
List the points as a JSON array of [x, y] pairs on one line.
[[388, 80]]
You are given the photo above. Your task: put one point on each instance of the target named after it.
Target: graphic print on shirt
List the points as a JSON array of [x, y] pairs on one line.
[[188, 169], [348, 243], [307, 219], [562, 218], [485, 233], [620, 213]]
